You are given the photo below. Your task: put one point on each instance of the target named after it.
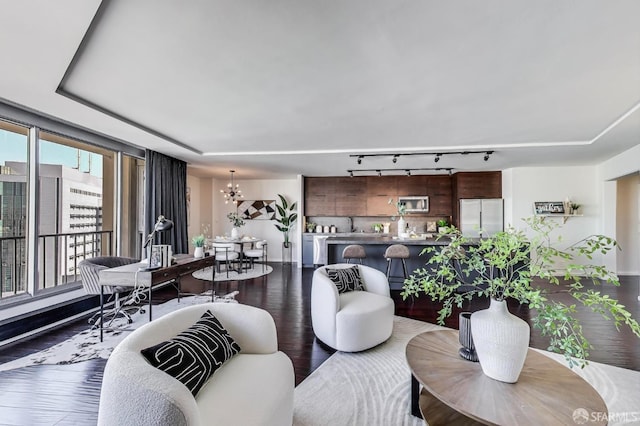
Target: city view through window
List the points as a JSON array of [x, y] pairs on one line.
[[70, 201]]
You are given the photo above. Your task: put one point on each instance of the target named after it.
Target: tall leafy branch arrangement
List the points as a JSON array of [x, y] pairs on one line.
[[509, 264], [286, 217]]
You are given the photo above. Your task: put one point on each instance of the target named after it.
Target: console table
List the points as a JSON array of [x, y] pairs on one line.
[[456, 391], [137, 276]]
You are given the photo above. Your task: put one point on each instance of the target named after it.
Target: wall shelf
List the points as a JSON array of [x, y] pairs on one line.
[[562, 215]]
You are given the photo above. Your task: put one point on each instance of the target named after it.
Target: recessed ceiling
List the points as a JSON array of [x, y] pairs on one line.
[[293, 87]]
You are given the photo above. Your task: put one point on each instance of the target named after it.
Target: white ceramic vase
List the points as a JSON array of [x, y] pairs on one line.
[[198, 252], [235, 233], [402, 226], [501, 340]]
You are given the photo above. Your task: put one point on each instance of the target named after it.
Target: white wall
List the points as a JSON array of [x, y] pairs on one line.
[[199, 210], [521, 187], [609, 194], [265, 229], [628, 224], [613, 172]]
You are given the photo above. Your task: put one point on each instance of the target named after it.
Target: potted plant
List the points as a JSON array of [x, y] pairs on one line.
[[442, 226], [198, 243], [508, 265], [311, 226], [237, 222], [574, 208], [401, 208], [286, 217]]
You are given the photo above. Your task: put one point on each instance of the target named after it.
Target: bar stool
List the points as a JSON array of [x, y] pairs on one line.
[[397, 251], [354, 251]]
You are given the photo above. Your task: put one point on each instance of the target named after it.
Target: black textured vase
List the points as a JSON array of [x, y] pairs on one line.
[[468, 350]]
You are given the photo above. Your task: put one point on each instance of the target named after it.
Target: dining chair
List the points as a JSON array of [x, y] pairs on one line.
[[225, 252], [259, 252]]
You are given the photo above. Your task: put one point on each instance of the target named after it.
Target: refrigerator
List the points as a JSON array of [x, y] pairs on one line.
[[481, 215]]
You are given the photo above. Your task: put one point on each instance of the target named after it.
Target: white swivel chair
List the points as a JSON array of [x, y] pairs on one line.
[[259, 252], [355, 320]]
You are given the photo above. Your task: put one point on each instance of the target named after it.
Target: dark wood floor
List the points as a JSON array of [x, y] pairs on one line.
[[69, 394]]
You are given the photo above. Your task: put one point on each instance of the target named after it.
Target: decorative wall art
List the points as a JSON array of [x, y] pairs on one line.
[[257, 209], [549, 207]]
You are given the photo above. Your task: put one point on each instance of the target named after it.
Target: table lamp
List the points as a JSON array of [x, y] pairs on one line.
[[162, 224]]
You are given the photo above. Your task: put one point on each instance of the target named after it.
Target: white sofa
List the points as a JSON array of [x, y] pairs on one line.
[[255, 387], [355, 320]]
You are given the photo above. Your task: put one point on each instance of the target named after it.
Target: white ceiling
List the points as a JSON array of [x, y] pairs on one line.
[[285, 87]]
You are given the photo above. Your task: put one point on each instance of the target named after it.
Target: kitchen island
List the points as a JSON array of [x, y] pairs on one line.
[[375, 247]]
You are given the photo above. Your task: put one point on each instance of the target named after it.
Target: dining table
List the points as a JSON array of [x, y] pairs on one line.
[[240, 241]]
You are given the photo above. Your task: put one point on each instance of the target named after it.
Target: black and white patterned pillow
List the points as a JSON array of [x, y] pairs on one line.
[[346, 279], [195, 354]]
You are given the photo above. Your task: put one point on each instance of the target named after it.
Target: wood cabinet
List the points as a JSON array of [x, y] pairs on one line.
[[440, 195], [369, 195], [319, 196], [379, 190], [412, 185], [382, 185], [478, 185], [351, 196]]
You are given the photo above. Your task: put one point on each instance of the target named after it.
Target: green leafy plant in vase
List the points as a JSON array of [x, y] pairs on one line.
[[237, 222], [442, 226], [198, 242], [512, 265], [286, 217]]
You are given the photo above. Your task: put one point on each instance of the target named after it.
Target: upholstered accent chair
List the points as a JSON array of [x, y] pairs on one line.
[[351, 320], [89, 272], [253, 387]]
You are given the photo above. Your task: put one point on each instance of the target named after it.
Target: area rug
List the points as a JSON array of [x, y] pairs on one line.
[[86, 345], [255, 272], [373, 387]]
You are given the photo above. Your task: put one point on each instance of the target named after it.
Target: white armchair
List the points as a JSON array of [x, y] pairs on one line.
[[355, 320], [255, 387]]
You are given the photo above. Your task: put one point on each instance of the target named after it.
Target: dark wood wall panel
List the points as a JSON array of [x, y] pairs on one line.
[[369, 195]]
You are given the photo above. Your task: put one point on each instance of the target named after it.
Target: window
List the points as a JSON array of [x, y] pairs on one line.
[[13, 209]]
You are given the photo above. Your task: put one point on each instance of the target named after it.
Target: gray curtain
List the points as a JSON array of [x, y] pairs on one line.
[[166, 194]]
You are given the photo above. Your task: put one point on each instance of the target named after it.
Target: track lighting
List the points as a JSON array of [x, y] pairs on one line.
[[436, 158], [407, 171]]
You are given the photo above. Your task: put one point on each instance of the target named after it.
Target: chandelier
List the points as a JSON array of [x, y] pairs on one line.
[[232, 193]]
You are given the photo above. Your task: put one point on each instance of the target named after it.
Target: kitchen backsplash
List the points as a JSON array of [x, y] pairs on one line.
[[366, 224]]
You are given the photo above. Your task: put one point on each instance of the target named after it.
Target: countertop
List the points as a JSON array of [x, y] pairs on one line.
[[346, 234], [356, 238]]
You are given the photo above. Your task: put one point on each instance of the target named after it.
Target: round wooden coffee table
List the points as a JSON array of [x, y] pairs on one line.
[[455, 391]]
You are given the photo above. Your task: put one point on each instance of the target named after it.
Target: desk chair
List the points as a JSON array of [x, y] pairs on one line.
[[89, 272]]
